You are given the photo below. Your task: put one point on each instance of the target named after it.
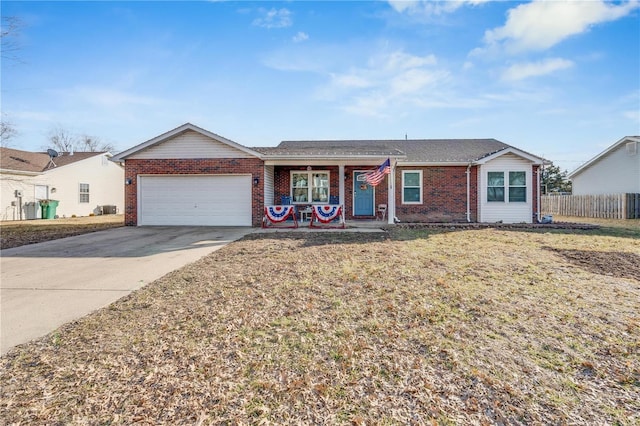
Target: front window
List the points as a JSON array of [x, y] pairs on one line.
[[310, 187], [84, 192], [517, 187], [412, 187], [495, 186]]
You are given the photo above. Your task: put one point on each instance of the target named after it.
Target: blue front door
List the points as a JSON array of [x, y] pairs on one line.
[[362, 196]]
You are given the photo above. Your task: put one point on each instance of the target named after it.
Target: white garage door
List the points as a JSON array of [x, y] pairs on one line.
[[195, 200]]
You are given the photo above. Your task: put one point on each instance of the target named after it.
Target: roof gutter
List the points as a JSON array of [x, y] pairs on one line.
[[468, 172], [431, 163], [20, 172]]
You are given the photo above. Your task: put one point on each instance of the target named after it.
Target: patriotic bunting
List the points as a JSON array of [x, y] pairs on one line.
[[276, 214], [326, 214]]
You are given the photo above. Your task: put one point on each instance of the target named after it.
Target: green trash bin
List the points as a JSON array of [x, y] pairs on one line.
[[49, 208]]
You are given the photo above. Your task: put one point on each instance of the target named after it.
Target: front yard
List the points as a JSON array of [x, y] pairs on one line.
[[409, 327], [20, 233]]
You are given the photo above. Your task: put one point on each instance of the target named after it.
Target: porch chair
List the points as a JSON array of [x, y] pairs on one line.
[[285, 200], [382, 209]]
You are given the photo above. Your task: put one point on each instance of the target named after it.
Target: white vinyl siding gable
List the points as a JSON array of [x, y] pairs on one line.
[[190, 144], [615, 173], [512, 209], [106, 186]]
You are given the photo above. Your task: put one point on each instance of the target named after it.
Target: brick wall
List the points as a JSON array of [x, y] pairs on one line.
[[205, 166], [444, 195]]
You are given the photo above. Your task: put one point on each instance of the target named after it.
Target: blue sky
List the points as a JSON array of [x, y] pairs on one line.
[[557, 79]]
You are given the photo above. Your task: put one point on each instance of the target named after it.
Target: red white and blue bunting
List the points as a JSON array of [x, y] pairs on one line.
[[277, 214], [327, 213]]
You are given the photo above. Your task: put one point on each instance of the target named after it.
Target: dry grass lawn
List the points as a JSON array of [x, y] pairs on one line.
[[410, 327], [19, 233]]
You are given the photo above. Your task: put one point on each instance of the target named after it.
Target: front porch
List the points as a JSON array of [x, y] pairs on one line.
[[331, 182]]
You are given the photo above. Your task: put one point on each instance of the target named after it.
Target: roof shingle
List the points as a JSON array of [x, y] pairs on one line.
[[414, 150], [38, 162]]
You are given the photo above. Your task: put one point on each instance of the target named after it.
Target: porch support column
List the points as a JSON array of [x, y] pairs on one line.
[[341, 193], [391, 195]]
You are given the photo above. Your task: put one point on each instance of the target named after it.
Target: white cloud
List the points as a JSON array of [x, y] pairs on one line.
[[542, 24], [430, 7], [273, 18], [387, 81], [300, 37], [524, 70], [400, 60], [351, 81], [104, 97], [633, 115]]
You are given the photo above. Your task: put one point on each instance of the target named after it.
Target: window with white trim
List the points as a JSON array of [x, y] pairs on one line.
[[412, 187], [515, 190], [517, 187], [84, 193], [495, 186], [309, 187]]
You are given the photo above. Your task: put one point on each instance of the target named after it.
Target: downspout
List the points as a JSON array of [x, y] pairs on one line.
[[539, 191], [391, 195], [468, 193]]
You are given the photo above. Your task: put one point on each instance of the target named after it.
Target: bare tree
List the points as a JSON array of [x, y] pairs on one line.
[[61, 139], [9, 31], [95, 144], [7, 132], [64, 141]]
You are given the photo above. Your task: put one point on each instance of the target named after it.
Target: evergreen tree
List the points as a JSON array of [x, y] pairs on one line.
[[554, 180]]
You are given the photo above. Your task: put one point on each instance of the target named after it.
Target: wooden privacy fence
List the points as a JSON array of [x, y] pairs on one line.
[[609, 206]]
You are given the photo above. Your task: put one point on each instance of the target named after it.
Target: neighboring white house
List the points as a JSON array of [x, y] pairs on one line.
[[82, 182], [616, 170]]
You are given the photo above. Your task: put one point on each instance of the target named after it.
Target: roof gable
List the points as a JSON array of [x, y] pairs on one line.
[[188, 134], [515, 151], [604, 153]]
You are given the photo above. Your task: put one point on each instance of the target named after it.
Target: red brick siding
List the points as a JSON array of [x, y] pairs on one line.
[[205, 166], [444, 195], [444, 192]]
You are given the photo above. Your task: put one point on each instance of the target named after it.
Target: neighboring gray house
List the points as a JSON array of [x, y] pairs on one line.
[[616, 170]]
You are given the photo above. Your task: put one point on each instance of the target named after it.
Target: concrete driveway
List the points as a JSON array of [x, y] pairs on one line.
[[45, 285]]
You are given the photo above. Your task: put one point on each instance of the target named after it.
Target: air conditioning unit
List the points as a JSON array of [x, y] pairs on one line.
[[632, 148], [109, 210]]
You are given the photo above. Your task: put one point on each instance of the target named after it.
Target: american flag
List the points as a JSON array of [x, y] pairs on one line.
[[376, 176]]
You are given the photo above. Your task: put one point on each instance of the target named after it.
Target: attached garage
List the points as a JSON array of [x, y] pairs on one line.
[[195, 200]]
